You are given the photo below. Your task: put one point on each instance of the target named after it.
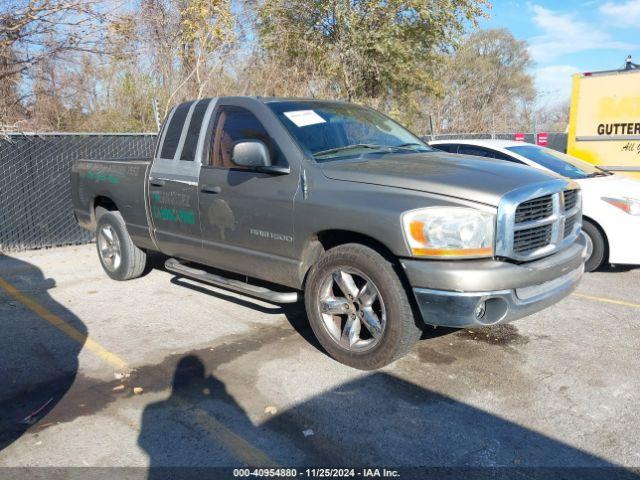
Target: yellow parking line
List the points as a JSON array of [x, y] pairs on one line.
[[235, 444], [230, 441], [72, 332], [607, 300]]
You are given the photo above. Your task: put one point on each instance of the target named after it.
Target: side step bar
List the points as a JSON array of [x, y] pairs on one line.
[[263, 293]]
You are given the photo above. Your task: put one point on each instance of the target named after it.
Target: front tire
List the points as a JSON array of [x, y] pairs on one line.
[[599, 246], [359, 309], [119, 256]]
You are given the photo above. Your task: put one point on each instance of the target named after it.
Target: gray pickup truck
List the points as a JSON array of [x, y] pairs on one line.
[[275, 198]]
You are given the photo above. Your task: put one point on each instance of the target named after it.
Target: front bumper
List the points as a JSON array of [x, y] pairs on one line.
[[486, 292]]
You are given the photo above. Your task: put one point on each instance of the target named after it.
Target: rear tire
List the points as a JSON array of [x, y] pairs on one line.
[[119, 256], [599, 246], [359, 309]]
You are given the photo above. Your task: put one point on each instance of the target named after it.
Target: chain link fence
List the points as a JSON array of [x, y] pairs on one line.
[[35, 195]]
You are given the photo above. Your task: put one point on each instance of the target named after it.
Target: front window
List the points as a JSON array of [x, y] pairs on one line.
[[332, 130], [558, 162], [234, 124]]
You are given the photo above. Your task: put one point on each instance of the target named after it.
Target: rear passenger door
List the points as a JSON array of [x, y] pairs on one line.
[[173, 181]]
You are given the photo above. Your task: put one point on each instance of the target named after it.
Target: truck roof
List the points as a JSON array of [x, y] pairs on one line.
[[264, 99]]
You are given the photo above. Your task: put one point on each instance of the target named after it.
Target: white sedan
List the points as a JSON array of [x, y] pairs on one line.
[[611, 203]]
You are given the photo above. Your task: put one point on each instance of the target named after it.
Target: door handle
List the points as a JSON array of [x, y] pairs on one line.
[[207, 189], [156, 182]]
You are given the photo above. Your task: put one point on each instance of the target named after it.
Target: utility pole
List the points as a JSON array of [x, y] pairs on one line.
[[433, 135], [156, 112], [493, 126]]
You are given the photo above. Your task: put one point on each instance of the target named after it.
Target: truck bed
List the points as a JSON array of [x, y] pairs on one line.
[[119, 181]]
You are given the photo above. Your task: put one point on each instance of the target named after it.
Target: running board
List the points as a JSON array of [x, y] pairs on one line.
[[263, 293]]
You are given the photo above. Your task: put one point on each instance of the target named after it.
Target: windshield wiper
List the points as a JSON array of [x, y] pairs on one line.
[[382, 148], [348, 147], [601, 173], [410, 146]]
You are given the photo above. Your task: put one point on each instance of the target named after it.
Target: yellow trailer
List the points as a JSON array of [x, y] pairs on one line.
[[604, 123]]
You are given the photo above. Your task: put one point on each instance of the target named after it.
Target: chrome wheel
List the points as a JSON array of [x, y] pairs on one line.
[[109, 248], [352, 309]]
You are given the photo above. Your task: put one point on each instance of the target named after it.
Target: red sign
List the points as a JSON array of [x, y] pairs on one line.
[[543, 139], [519, 137]]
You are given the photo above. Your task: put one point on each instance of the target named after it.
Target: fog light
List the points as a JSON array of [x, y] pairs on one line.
[[481, 309]]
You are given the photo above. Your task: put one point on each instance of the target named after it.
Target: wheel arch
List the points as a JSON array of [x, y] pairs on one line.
[[602, 232], [325, 240], [102, 201]]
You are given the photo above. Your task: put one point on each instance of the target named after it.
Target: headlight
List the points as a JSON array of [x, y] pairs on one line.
[[628, 205], [450, 232]]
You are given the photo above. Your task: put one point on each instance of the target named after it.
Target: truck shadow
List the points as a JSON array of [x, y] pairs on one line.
[[39, 363], [377, 420], [294, 313]]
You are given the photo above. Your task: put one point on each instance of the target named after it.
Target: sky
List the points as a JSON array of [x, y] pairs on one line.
[[570, 36]]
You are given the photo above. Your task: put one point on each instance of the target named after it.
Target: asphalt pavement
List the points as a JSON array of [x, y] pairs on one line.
[[162, 371]]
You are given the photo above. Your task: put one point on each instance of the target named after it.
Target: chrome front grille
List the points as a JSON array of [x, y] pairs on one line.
[[537, 221], [569, 224], [531, 239], [570, 199], [535, 209]]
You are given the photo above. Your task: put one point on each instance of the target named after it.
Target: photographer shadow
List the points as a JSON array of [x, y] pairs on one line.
[[376, 421], [39, 362]]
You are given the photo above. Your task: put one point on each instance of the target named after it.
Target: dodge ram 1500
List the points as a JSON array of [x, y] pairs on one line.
[[281, 199]]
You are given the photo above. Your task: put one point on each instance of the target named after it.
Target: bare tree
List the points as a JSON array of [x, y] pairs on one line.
[[34, 30], [485, 84]]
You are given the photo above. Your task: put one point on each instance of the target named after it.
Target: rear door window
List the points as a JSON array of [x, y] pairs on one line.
[[504, 156], [174, 131], [476, 151], [193, 133], [447, 147]]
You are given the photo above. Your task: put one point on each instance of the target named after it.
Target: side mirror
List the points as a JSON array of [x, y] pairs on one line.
[[251, 154]]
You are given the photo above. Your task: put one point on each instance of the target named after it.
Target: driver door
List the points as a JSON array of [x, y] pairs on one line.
[[246, 216]]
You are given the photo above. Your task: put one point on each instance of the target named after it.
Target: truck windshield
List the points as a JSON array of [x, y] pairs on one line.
[[558, 162], [332, 130]]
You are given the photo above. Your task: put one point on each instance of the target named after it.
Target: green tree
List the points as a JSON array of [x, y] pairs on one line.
[[374, 51]]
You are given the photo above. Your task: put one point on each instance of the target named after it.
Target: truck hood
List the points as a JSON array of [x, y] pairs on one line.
[[461, 176]]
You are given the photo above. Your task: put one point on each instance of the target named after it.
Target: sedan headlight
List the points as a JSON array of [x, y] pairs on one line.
[[627, 205], [449, 232]]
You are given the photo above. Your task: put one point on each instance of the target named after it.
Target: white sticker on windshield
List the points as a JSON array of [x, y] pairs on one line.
[[303, 118]]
